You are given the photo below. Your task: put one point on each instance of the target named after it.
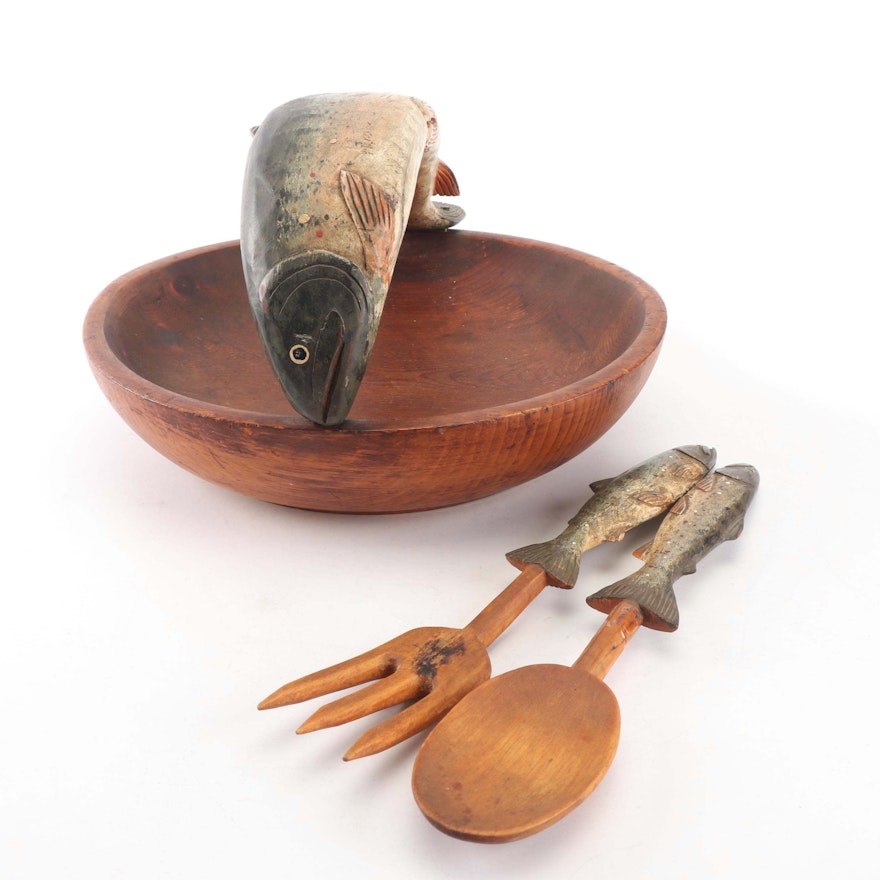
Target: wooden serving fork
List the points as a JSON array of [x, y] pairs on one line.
[[437, 666]]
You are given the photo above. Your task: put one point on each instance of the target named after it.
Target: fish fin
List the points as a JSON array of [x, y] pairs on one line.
[[372, 210], [681, 506], [445, 183], [614, 536], [655, 598], [599, 485], [689, 471], [655, 499], [684, 503], [560, 563], [434, 215], [644, 550], [254, 130], [706, 484]]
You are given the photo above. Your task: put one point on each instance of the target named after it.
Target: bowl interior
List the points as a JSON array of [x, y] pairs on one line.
[[472, 322]]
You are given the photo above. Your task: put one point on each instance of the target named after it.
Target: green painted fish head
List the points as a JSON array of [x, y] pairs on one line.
[[745, 473], [703, 454], [315, 323]]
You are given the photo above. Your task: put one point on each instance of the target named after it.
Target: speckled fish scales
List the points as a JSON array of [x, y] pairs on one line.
[[331, 184], [712, 512], [618, 505]]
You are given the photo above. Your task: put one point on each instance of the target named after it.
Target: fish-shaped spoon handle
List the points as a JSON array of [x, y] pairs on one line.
[[710, 513], [618, 505]]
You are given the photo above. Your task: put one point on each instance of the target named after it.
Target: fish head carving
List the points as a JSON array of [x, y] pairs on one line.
[[317, 314], [703, 454], [745, 473]]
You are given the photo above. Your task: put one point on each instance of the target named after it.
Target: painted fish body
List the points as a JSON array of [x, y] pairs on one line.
[[331, 183], [618, 505], [711, 513]]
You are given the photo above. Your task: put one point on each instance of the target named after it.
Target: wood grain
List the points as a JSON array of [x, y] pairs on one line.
[[433, 667], [524, 749], [497, 360]]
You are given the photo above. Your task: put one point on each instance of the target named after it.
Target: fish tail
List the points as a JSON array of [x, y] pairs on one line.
[[650, 590], [560, 561]]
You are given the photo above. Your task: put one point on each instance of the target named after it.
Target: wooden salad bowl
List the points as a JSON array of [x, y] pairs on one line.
[[497, 360]]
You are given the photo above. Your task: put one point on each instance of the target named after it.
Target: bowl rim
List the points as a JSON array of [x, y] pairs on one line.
[[105, 361]]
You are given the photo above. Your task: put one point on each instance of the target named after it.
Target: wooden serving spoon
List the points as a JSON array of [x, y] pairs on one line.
[[524, 749]]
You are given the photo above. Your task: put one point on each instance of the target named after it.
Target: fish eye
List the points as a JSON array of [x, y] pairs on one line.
[[299, 354]]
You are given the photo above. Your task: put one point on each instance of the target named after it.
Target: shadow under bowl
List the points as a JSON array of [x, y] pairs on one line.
[[497, 360]]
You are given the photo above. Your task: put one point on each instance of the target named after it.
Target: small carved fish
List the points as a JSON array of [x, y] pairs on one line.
[[711, 513], [332, 181], [620, 504]]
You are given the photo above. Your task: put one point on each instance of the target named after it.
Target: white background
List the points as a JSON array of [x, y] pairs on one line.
[[727, 154]]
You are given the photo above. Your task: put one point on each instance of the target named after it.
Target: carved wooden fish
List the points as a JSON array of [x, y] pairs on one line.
[[620, 504], [711, 513], [332, 181]]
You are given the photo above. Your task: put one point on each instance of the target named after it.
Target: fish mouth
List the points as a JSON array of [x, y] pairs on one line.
[[704, 454], [315, 324]]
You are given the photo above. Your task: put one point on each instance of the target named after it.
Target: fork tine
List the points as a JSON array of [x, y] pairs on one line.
[[406, 723], [396, 688], [365, 667]]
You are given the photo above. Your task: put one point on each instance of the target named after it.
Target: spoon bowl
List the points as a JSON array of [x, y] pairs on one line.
[[517, 754]]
